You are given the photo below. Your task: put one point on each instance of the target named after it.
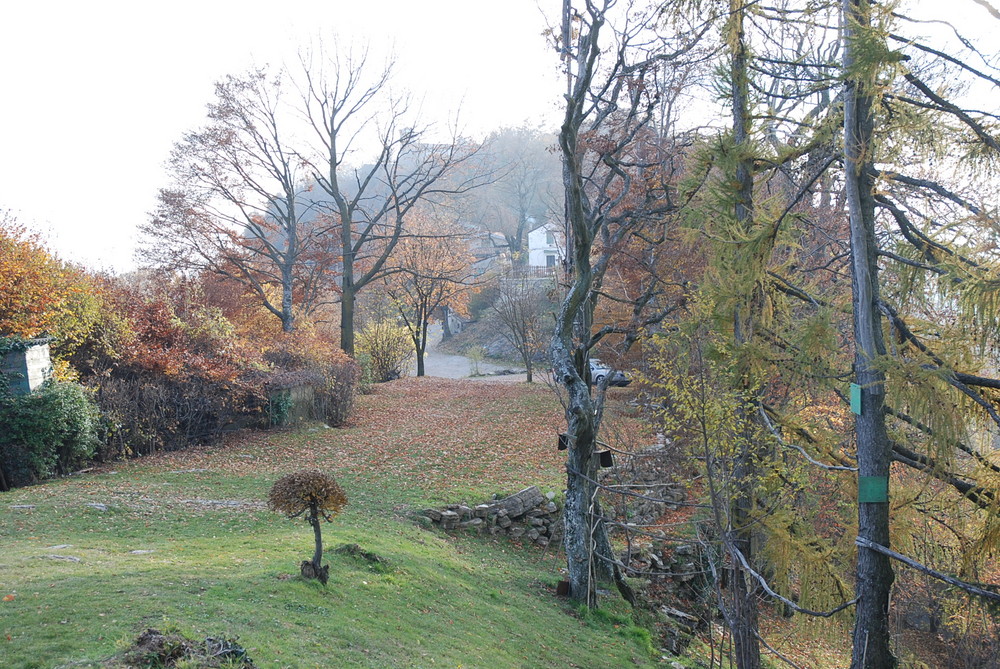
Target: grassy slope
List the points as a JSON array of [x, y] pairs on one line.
[[229, 570]]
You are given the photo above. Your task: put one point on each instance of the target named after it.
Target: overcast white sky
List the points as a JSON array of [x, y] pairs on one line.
[[96, 92]]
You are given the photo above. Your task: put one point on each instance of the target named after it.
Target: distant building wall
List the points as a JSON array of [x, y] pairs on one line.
[[24, 371], [545, 246], [292, 404], [455, 322]]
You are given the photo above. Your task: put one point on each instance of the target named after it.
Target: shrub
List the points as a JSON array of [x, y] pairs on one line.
[[476, 356], [306, 358], [34, 285], [147, 412], [164, 382], [388, 346], [41, 295], [170, 371], [315, 495], [279, 407], [334, 399], [366, 378], [50, 431]]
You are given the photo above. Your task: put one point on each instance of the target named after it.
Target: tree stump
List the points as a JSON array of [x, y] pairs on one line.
[[309, 571]]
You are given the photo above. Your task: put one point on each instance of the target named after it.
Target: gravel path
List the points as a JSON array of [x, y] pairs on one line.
[[450, 366]]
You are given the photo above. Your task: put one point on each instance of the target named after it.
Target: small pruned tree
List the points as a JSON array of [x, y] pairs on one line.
[[318, 496]]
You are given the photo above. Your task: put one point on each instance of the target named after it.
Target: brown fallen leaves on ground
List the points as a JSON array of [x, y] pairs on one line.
[[435, 435]]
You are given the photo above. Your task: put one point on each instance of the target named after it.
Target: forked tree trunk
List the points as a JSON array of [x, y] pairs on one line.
[[588, 549]]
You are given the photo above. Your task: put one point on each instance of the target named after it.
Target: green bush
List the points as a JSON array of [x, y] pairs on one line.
[[279, 408], [367, 376], [388, 348], [50, 431]]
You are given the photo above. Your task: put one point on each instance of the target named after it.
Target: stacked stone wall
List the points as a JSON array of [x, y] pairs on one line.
[[528, 516]]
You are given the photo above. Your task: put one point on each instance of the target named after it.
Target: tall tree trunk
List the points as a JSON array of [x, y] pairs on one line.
[[420, 346], [581, 512], [423, 317], [568, 360], [578, 514], [347, 299], [518, 257], [874, 571], [287, 311], [348, 291], [289, 258], [743, 591]]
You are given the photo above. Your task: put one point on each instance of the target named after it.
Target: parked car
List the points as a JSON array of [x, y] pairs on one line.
[[599, 371]]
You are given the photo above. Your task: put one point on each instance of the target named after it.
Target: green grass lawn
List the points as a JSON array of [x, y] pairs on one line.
[[185, 542]]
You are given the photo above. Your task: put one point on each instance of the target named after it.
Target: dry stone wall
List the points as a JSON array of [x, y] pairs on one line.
[[527, 515], [648, 478]]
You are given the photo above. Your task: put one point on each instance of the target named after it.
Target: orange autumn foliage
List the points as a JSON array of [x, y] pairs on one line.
[[34, 286]]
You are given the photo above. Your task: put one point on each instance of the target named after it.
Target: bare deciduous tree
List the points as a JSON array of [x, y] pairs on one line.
[[612, 190], [348, 104], [238, 206], [521, 304]]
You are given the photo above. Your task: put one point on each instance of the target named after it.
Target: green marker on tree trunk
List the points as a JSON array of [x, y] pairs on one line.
[[873, 489]]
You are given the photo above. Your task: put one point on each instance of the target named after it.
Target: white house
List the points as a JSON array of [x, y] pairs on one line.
[[546, 246]]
